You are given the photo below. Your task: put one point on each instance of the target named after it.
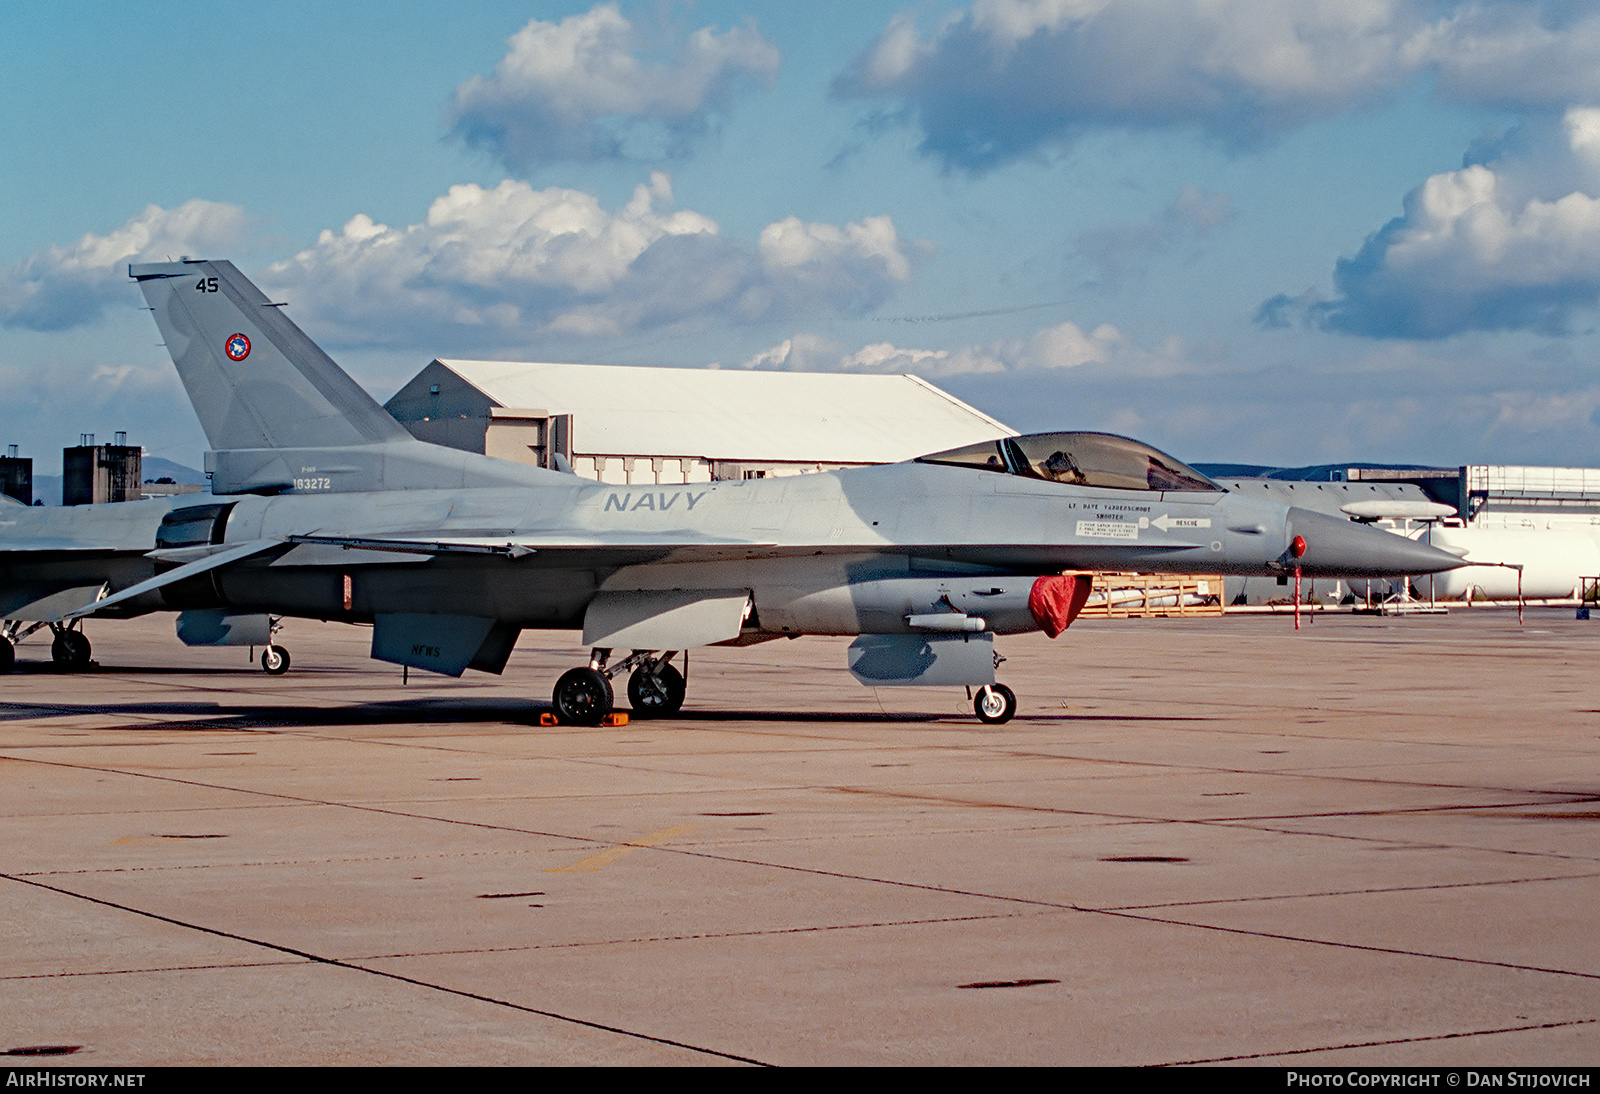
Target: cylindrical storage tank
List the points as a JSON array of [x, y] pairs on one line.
[[1552, 562]]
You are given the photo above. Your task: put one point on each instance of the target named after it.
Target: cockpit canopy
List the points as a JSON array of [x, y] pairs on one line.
[[1079, 459]]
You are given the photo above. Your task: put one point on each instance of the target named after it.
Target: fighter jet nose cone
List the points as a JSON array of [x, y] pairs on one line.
[[1336, 547]]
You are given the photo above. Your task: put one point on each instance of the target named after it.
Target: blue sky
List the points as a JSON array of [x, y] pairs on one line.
[[1241, 230]]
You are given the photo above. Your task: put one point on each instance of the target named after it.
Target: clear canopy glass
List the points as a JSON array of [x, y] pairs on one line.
[[1079, 459]]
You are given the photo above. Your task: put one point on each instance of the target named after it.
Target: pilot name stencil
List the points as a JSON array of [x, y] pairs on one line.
[[660, 503]]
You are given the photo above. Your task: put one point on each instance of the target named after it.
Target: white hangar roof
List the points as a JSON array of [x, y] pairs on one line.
[[736, 415]]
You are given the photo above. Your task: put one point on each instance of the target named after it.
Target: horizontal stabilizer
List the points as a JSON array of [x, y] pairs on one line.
[[182, 573], [33, 605]]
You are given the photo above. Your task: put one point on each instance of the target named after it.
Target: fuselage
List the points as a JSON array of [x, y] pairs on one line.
[[840, 552], [953, 540]]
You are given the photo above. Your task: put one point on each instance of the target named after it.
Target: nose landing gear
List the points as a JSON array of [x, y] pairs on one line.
[[274, 660], [995, 704]]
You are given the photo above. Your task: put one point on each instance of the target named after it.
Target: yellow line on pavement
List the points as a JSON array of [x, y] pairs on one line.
[[611, 854]]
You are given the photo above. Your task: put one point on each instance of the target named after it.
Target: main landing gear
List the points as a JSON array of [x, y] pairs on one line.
[[70, 649], [583, 697]]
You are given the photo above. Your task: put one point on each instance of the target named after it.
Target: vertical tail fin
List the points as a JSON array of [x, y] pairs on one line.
[[255, 379], [280, 415]]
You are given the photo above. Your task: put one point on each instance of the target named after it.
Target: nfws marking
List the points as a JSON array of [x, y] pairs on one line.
[[1108, 529], [419, 650], [1167, 524], [660, 503], [237, 347]]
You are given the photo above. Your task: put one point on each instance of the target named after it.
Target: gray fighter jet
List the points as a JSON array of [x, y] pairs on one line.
[[326, 508]]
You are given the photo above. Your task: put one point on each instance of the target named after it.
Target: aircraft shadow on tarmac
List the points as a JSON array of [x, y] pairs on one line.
[[442, 710], [50, 668], [421, 712]]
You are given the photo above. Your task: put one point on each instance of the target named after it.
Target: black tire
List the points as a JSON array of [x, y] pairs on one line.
[[71, 650], [995, 704], [8, 656], [656, 694], [582, 698], [274, 660]]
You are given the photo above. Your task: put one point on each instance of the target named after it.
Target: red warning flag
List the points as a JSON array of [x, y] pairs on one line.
[[1056, 601]]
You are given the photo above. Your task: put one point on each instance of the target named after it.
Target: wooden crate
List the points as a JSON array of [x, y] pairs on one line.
[[1138, 596]]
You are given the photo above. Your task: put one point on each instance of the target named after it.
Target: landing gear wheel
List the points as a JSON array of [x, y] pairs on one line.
[[274, 660], [657, 694], [995, 704], [582, 698], [8, 656], [70, 650]]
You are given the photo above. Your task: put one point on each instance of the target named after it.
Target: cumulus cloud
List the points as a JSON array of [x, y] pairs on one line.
[[61, 287], [509, 262], [1009, 78], [1416, 403], [1510, 244], [1534, 53], [1063, 346], [805, 352], [579, 90]]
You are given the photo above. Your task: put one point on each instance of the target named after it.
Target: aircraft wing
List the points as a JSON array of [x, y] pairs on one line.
[[604, 546], [618, 548]]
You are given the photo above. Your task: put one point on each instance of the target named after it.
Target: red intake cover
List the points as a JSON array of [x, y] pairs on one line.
[[1056, 601]]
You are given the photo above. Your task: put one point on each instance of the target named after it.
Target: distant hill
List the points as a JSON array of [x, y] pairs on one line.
[[1234, 470], [157, 468], [47, 488]]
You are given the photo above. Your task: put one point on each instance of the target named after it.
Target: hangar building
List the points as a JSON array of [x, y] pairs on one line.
[[629, 424]]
